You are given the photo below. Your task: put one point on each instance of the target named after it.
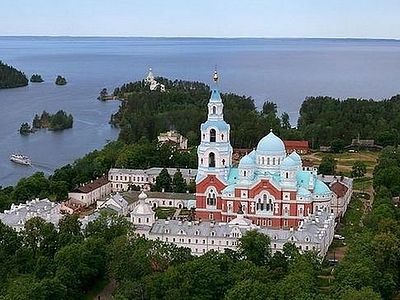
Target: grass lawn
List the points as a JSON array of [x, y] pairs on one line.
[[350, 224], [165, 212], [362, 184], [347, 159]]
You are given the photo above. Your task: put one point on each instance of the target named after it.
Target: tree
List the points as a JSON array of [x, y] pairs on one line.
[[40, 237], [269, 108], [178, 183], [366, 293], [358, 169], [285, 121], [327, 165], [69, 230], [256, 247], [25, 129], [250, 289], [163, 181], [337, 145]]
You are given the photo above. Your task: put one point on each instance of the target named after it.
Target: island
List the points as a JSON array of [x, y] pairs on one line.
[[104, 95], [58, 121], [36, 78], [11, 77], [55, 122], [61, 80], [25, 129]]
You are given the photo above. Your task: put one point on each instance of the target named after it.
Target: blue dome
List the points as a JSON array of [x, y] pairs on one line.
[[295, 157], [271, 144], [321, 188], [246, 161], [288, 162]]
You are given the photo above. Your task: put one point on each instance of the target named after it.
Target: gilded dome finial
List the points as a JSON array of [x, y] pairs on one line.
[[215, 77]]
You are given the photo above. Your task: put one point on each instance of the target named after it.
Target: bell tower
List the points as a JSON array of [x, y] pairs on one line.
[[215, 151]]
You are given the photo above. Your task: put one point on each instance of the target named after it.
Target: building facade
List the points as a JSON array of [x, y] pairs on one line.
[[342, 188], [123, 179], [87, 194], [174, 138], [271, 186]]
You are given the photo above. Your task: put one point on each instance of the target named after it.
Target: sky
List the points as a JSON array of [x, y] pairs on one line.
[[203, 18]]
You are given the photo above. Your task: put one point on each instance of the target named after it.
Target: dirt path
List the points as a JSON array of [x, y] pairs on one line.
[[106, 293]]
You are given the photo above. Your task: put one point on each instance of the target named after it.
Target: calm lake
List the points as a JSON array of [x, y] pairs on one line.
[[282, 70]]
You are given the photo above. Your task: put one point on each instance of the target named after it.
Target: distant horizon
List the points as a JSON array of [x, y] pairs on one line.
[[206, 37]]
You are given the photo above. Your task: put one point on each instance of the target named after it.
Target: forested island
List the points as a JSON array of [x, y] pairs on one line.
[[61, 80], [11, 77], [58, 121], [36, 78], [322, 120]]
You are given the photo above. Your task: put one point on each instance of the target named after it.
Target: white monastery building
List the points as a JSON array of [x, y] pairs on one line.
[[122, 179]]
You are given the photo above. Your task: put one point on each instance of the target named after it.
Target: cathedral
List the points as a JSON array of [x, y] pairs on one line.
[[269, 186]]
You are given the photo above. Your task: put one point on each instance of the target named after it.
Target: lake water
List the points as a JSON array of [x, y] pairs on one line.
[[282, 70]]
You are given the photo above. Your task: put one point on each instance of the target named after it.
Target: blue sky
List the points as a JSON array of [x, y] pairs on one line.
[[211, 18]]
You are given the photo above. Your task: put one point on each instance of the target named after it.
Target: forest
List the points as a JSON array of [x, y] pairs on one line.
[[183, 107], [58, 121], [11, 77], [324, 120]]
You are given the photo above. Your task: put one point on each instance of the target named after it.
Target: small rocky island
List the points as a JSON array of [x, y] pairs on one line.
[[104, 95], [55, 122], [61, 80], [11, 77], [36, 78]]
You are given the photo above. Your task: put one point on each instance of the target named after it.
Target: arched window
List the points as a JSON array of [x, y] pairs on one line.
[[212, 135], [214, 110], [222, 136], [201, 161], [287, 175], [262, 160], [244, 173], [211, 160], [204, 136], [211, 198], [267, 160], [273, 161], [223, 162]]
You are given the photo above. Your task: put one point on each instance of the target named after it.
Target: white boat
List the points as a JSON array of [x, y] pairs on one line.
[[20, 159]]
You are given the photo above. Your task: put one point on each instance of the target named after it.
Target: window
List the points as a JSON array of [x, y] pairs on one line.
[[222, 136], [201, 161], [287, 175], [273, 161], [214, 110], [244, 173], [111, 177], [211, 198], [213, 135], [223, 162], [267, 160], [211, 160]]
